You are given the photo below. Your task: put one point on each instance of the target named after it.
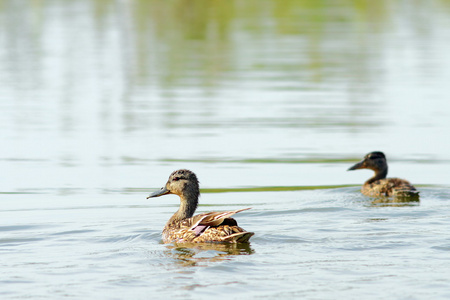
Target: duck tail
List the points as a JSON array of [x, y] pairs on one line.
[[411, 195], [240, 237]]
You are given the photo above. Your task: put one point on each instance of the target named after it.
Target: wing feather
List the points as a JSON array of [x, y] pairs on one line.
[[213, 218]]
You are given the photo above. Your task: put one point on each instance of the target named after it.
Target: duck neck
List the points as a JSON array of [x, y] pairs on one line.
[[188, 205], [380, 174]]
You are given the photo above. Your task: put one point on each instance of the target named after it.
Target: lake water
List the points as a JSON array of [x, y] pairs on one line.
[[268, 102]]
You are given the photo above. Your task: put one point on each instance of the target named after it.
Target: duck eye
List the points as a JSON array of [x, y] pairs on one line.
[[176, 178]]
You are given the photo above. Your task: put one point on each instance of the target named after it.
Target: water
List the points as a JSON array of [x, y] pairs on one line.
[[268, 103]]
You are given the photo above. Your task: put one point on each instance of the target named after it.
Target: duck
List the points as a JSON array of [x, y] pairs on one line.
[[379, 185], [184, 227]]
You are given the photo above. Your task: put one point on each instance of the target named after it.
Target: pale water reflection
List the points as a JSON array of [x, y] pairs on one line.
[[269, 102], [193, 255]]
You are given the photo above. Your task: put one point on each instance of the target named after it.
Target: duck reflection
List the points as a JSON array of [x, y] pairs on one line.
[[396, 201], [198, 254]]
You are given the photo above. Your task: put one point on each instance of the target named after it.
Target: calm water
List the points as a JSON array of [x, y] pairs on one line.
[[269, 102]]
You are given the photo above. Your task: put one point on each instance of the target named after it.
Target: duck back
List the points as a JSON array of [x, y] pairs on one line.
[[390, 187]]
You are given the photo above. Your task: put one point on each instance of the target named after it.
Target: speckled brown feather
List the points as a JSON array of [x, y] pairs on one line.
[[390, 187], [218, 227]]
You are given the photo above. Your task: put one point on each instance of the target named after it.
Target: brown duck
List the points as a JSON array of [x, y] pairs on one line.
[[184, 227], [379, 185]]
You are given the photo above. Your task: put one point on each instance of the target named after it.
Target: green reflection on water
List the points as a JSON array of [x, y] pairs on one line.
[[263, 160], [295, 161], [271, 188], [198, 38], [179, 39], [176, 40]]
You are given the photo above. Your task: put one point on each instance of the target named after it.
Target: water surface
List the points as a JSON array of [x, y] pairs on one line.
[[268, 102]]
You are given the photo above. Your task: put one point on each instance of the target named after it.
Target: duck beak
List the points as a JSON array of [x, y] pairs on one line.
[[357, 166], [162, 191]]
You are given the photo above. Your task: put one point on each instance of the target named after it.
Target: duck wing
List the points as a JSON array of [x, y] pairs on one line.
[[214, 218], [219, 227]]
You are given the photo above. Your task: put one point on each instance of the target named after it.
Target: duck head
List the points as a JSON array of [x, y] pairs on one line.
[[375, 161], [183, 183]]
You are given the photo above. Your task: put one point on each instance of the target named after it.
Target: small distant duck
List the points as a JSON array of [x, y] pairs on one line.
[[379, 185], [184, 227]]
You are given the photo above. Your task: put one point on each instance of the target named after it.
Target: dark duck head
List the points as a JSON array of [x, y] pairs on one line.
[[375, 161]]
